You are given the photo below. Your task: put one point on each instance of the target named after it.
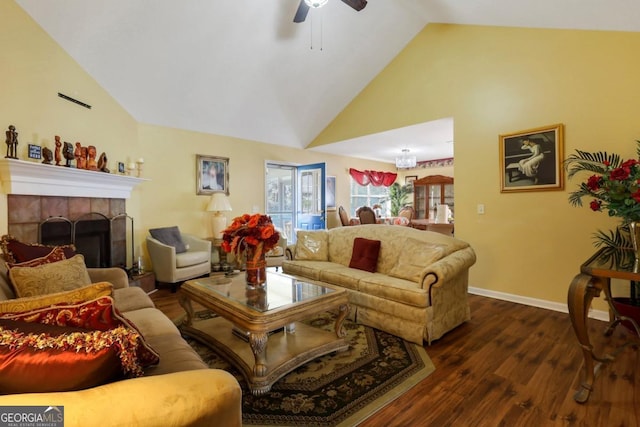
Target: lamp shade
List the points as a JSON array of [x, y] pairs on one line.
[[219, 203]]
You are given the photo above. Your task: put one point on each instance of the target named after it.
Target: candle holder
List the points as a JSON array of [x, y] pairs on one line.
[[139, 163]]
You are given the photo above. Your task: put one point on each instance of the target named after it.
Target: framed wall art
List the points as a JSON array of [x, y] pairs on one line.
[[330, 193], [212, 174], [531, 160], [409, 179]]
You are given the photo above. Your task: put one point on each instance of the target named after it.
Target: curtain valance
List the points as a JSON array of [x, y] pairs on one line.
[[373, 177]]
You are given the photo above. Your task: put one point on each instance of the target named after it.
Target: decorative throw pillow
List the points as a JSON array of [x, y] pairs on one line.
[[16, 251], [415, 257], [99, 314], [365, 254], [169, 236], [56, 254], [86, 293], [312, 245], [38, 358], [59, 276]]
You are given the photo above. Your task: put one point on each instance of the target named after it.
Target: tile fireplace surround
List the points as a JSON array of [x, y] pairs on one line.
[[36, 192], [27, 212]]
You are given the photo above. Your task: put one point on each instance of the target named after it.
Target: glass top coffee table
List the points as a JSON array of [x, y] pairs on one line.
[[258, 330]]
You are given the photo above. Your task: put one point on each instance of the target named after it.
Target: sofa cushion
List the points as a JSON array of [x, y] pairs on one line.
[[85, 293], [131, 298], [312, 245], [16, 251], [415, 258], [37, 358], [344, 276], [308, 269], [177, 355], [365, 254], [187, 259], [169, 236], [151, 322], [59, 276], [98, 314], [394, 289]]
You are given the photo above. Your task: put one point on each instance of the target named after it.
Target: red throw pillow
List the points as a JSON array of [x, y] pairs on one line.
[[15, 251], [56, 254], [98, 314], [365, 254], [37, 358]]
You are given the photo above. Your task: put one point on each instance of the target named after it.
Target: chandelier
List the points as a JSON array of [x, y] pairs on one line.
[[316, 3], [405, 161]]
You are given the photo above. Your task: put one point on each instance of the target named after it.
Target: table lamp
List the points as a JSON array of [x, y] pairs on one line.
[[219, 203]]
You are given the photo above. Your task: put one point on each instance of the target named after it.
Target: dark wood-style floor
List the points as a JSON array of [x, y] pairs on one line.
[[511, 365]]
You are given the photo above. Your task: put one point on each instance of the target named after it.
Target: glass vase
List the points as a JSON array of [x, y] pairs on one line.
[[255, 270], [634, 232]]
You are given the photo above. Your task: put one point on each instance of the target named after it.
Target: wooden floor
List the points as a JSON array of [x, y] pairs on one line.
[[511, 365]]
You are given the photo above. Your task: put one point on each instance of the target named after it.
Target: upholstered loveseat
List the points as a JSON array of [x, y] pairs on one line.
[[179, 391], [417, 289]]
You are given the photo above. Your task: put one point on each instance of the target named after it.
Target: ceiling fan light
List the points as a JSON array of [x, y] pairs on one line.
[[405, 161], [316, 3]]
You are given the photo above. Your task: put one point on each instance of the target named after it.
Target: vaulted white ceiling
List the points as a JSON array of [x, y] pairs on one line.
[[242, 68]]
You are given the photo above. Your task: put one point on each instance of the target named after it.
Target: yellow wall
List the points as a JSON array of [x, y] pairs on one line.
[[170, 196], [34, 69], [495, 80]]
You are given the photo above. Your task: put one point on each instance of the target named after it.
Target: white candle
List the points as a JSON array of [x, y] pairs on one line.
[[140, 160], [132, 166]]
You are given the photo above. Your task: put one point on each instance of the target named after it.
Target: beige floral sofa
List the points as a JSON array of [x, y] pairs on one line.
[[178, 391], [417, 289]]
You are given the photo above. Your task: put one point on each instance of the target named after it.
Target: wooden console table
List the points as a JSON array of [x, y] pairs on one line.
[[595, 277]]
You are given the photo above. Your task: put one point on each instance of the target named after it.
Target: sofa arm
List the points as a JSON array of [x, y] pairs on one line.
[[449, 266], [290, 251], [196, 244], [204, 397], [116, 276], [163, 259]]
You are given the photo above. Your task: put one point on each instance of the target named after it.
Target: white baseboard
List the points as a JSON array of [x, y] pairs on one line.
[[535, 302]]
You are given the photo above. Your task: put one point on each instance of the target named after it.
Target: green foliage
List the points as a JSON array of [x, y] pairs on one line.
[[398, 196]]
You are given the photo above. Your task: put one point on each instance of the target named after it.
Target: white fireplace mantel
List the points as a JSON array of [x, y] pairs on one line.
[[31, 178]]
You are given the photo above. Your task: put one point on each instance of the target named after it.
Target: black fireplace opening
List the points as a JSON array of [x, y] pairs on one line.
[[91, 237]]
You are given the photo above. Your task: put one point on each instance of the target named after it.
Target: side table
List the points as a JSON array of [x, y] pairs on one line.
[[146, 281], [595, 277]]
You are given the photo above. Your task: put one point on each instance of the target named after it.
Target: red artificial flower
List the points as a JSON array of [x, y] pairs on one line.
[[595, 205], [620, 174], [594, 182]]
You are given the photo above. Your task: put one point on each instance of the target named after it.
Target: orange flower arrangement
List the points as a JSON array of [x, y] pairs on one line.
[[253, 234]]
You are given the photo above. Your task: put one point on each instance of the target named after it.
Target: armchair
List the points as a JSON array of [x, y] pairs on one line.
[[276, 255], [174, 268]]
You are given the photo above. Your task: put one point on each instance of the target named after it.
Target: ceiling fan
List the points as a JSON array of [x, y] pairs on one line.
[[305, 5]]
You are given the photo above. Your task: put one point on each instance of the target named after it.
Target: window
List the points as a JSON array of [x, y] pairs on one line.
[[368, 195]]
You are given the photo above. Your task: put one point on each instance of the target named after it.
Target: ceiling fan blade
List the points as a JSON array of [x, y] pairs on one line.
[[358, 5], [301, 13]]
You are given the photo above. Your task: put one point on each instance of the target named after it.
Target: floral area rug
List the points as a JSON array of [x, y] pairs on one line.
[[338, 389]]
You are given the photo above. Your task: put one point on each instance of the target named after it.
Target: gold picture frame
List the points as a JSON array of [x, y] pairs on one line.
[[531, 160], [212, 174]]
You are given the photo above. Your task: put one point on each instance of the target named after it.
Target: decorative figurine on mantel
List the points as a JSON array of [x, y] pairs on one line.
[[47, 154], [80, 154], [12, 143], [67, 152], [92, 165], [58, 153], [102, 163]]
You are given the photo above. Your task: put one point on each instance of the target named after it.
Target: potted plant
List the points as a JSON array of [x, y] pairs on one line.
[[614, 187], [398, 196]]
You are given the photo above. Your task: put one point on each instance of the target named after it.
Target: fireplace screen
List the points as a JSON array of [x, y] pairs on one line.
[[101, 240]]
